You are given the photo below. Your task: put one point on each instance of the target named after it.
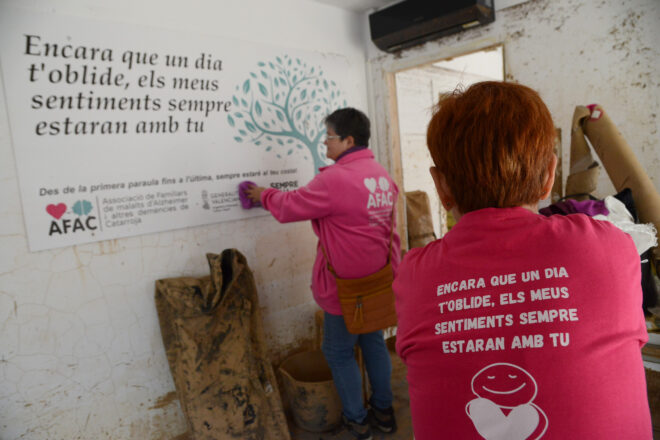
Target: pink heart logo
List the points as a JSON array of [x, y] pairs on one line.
[[56, 211]]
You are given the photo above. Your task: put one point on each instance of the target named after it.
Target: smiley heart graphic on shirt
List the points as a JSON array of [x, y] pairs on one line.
[[383, 184], [370, 183], [492, 424], [56, 211]]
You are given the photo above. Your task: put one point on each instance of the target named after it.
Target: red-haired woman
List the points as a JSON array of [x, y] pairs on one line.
[[515, 325]]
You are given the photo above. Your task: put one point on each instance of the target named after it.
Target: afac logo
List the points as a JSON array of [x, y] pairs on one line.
[[378, 199], [82, 222]]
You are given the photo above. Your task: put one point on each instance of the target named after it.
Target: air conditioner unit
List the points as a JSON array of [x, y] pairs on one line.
[[413, 22]]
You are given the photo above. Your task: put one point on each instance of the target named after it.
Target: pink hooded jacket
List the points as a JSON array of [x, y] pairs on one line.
[[350, 205]]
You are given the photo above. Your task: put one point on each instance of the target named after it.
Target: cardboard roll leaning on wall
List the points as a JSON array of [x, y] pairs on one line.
[[624, 170]]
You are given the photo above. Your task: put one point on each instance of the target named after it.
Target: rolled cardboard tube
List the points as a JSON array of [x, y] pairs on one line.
[[419, 219], [581, 158], [584, 171], [622, 166], [582, 182]]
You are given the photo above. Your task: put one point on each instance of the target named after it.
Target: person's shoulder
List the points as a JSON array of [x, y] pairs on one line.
[[582, 231], [331, 174], [582, 223], [411, 255], [417, 257], [372, 166]]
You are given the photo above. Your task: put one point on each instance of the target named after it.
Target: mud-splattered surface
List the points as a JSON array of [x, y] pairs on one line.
[[310, 392], [213, 336], [401, 406], [165, 400]]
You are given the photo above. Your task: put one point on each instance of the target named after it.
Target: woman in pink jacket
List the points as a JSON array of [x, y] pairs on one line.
[[350, 205]]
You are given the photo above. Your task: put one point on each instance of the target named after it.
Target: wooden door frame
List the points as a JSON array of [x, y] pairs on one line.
[[383, 105]]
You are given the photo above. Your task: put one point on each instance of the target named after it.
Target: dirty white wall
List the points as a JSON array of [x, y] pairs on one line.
[[574, 52], [81, 355]]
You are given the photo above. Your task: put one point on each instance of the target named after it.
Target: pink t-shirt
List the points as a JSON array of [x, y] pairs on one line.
[[519, 326], [350, 204]]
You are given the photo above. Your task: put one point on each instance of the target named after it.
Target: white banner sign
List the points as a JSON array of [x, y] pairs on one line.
[[120, 130]]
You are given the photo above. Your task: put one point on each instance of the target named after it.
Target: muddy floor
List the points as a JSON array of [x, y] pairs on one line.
[[401, 408]]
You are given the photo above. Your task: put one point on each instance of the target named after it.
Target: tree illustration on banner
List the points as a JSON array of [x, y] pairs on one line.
[[281, 107]]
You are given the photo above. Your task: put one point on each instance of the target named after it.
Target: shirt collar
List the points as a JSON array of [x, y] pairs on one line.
[[364, 153], [491, 214], [351, 150]]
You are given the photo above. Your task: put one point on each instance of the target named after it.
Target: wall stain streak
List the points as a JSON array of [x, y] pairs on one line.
[[165, 400]]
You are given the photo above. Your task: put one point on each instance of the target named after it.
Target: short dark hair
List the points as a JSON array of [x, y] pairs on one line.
[[493, 143], [350, 122]]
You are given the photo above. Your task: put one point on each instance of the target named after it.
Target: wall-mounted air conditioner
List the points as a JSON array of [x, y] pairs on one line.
[[413, 22]]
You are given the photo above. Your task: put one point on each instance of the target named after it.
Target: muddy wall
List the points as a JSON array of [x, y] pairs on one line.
[[574, 52]]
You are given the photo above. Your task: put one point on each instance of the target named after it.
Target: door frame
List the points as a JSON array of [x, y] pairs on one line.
[[383, 106]]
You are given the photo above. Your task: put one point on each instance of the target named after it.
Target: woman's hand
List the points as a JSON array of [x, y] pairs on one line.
[[254, 193]]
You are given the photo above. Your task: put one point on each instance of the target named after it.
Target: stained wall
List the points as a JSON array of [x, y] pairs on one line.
[[574, 52]]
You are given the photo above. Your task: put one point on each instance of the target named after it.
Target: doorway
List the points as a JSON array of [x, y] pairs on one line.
[[417, 92]]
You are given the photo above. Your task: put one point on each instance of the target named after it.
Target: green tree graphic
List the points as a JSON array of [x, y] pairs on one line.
[[281, 107]]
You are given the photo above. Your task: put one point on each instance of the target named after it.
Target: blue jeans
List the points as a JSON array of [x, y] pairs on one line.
[[337, 347]]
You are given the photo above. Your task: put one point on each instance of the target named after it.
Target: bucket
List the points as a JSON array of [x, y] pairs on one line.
[[310, 391]]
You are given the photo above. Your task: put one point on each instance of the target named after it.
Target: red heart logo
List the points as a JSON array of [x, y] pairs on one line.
[[56, 211]]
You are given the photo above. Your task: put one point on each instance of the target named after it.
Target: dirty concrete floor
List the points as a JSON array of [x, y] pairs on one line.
[[401, 406]]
